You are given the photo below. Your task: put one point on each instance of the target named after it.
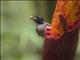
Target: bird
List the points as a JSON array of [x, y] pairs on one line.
[[40, 24]]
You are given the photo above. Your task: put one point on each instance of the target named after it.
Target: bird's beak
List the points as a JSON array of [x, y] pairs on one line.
[[33, 18]]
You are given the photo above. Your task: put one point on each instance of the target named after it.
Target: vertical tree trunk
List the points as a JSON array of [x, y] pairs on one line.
[[60, 43], [61, 49]]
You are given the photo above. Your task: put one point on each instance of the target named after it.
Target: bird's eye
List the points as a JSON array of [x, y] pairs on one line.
[[39, 18]]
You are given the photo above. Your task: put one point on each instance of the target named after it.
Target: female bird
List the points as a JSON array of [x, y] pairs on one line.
[[40, 24]]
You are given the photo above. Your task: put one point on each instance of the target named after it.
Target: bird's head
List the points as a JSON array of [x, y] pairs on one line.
[[37, 19]]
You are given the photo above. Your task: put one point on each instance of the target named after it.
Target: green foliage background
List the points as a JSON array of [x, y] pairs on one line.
[[19, 40]]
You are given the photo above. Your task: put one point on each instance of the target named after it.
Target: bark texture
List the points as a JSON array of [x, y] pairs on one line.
[[60, 43]]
